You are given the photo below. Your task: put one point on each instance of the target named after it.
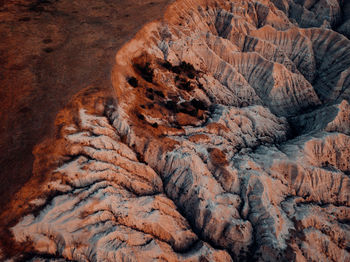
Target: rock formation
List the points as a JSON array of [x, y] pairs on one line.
[[226, 138]]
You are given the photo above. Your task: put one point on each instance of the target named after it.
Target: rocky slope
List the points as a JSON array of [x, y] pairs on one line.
[[225, 139]]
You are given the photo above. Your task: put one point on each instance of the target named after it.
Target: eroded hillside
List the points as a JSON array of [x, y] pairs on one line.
[[226, 138]]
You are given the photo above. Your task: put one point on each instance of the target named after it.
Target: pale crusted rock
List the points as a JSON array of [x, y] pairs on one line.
[[341, 122], [114, 207], [228, 140]]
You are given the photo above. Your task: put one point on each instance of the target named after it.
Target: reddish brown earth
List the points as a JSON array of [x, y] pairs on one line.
[[49, 50], [225, 139]]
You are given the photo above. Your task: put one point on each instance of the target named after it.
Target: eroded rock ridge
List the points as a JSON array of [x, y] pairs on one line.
[[227, 138]]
